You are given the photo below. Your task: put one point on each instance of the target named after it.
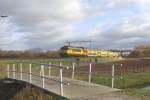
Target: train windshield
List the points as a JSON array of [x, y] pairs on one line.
[[64, 48]]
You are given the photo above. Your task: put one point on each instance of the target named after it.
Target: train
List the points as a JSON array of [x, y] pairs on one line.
[[73, 51]]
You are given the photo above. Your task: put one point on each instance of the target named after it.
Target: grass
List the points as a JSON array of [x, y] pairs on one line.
[[65, 60], [135, 79], [32, 93], [22, 91], [103, 80], [132, 83], [138, 90], [129, 80]]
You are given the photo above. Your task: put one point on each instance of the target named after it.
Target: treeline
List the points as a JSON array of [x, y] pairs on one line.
[[32, 53], [140, 51]]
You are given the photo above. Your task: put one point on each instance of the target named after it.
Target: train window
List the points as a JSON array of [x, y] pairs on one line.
[[76, 50], [64, 48], [92, 53]]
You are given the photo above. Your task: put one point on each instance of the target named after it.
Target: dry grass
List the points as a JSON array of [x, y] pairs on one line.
[[13, 90]]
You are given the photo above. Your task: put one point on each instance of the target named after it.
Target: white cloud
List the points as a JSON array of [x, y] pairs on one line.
[[127, 33], [39, 21], [48, 23]]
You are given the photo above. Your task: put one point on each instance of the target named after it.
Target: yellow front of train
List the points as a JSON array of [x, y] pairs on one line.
[[72, 51]]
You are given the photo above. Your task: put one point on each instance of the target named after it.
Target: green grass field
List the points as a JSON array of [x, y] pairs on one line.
[[81, 59], [36, 67], [127, 81], [138, 90], [55, 61], [133, 83]]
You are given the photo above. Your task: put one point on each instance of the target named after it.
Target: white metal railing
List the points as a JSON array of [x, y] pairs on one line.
[[42, 74], [11, 68]]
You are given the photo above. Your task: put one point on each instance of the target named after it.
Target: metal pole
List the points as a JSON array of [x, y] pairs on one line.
[[90, 73], [50, 69], [113, 74], [21, 71], [43, 79], [73, 65], [61, 79], [14, 71], [60, 64], [121, 71], [61, 82], [8, 70], [30, 69]]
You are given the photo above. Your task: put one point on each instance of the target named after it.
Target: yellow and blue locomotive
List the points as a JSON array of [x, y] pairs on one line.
[[84, 52]]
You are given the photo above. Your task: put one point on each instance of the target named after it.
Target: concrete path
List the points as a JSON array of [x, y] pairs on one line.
[[75, 90]]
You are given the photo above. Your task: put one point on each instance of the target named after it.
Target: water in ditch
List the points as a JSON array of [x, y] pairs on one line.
[[147, 87]]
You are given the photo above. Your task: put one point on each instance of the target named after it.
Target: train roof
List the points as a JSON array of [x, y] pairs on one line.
[[71, 47]]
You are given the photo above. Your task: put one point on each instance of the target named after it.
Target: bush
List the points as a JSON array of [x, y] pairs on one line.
[[140, 51]]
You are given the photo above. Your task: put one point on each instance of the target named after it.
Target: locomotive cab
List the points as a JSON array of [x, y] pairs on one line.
[[72, 51]]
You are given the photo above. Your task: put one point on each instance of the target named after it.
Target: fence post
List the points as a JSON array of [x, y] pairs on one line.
[[49, 69], [8, 70], [21, 71], [30, 72], [14, 75], [73, 65], [43, 79], [90, 70], [121, 71], [113, 74], [60, 64], [61, 82], [61, 79]]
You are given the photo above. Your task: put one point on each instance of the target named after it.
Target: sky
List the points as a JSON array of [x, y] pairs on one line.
[[48, 24]]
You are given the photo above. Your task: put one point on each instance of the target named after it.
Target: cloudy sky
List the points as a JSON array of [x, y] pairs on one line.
[[47, 24]]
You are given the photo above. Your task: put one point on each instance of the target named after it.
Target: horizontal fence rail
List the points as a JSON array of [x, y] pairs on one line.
[[32, 71]]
